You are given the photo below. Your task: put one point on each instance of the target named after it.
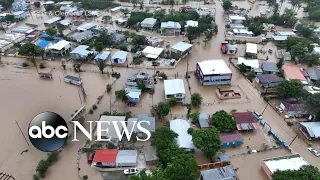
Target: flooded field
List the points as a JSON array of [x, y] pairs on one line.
[[23, 95]]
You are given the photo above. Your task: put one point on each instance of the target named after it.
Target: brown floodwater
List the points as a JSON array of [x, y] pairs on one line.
[[23, 95]]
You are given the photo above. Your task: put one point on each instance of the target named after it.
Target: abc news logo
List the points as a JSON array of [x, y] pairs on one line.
[[48, 131]]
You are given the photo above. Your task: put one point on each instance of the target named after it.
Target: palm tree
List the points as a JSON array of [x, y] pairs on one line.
[[101, 66], [122, 94]]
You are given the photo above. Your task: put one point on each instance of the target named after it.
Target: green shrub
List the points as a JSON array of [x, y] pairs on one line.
[[94, 107], [163, 75], [53, 157], [42, 66], [290, 124], [109, 87], [42, 168], [90, 111], [35, 177], [25, 64], [84, 177]]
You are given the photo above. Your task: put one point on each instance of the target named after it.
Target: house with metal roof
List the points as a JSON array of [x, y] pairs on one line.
[[213, 72], [236, 19], [170, 28], [105, 157], [65, 22], [52, 21], [22, 29], [252, 63], [292, 72], [60, 48], [313, 73], [152, 52], [245, 121], [148, 23], [119, 57], [180, 50], [86, 26], [118, 38], [72, 80], [20, 15], [102, 57], [279, 38], [80, 53], [148, 123], [112, 133], [294, 107], [174, 88], [220, 173], [80, 36], [205, 12], [267, 80], [184, 140], [133, 94], [229, 139], [19, 5], [251, 48], [5, 45], [13, 37], [310, 129], [283, 163], [269, 67], [203, 120], [285, 33], [127, 158], [150, 154]]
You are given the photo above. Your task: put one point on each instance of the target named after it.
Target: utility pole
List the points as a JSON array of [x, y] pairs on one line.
[[22, 133], [35, 63], [265, 108], [293, 140]]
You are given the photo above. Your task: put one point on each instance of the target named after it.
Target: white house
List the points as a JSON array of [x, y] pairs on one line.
[[236, 19], [5, 45], [174, 88], [119, 57], [213, 72], [152, 52], [251, 48], [148, 23], [60, 48], [184, 140], [253, 63], [191, 23], [242, 32], [316, 50], [170, 28]]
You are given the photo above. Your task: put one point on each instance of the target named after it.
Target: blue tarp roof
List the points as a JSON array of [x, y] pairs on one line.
[[44, 35], [43, 43], [57, 38]]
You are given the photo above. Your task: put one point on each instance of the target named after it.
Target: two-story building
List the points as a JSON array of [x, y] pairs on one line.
[[213, 72], [60, 48], [174, 88]]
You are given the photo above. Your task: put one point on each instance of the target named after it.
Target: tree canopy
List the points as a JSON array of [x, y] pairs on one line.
[[36, 4], [137, 17], [289, 89], [6, 3], [51, 31], [160, 110], [207, 140], [9, 18], [196, 99], [182, 167], [313, 103], [223, 121], [98, 4], [307, 172], [305, 29], [227, 5], [156, 175], [30, 49]]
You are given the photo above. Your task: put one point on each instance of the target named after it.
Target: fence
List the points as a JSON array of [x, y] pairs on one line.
[[213, 165]]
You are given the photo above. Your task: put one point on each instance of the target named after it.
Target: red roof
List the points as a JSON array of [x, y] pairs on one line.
[[304, 73], [243, 117], [235, 136], [223, 47], [105, 155], [293, 72]]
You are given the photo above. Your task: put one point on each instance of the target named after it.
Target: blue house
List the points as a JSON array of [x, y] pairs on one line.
[[103, 56], [133, 95], [231, 139]]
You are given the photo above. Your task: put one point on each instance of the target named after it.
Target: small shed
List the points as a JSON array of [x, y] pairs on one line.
[[102, 57], [133, 95], [119, 57], [127, 158], [231, 139], [203, 120], [150, 155]]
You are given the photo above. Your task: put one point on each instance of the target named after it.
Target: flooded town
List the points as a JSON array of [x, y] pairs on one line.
[[227, 89]]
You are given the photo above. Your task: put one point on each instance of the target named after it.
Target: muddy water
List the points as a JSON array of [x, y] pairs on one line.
[[23, 95]]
